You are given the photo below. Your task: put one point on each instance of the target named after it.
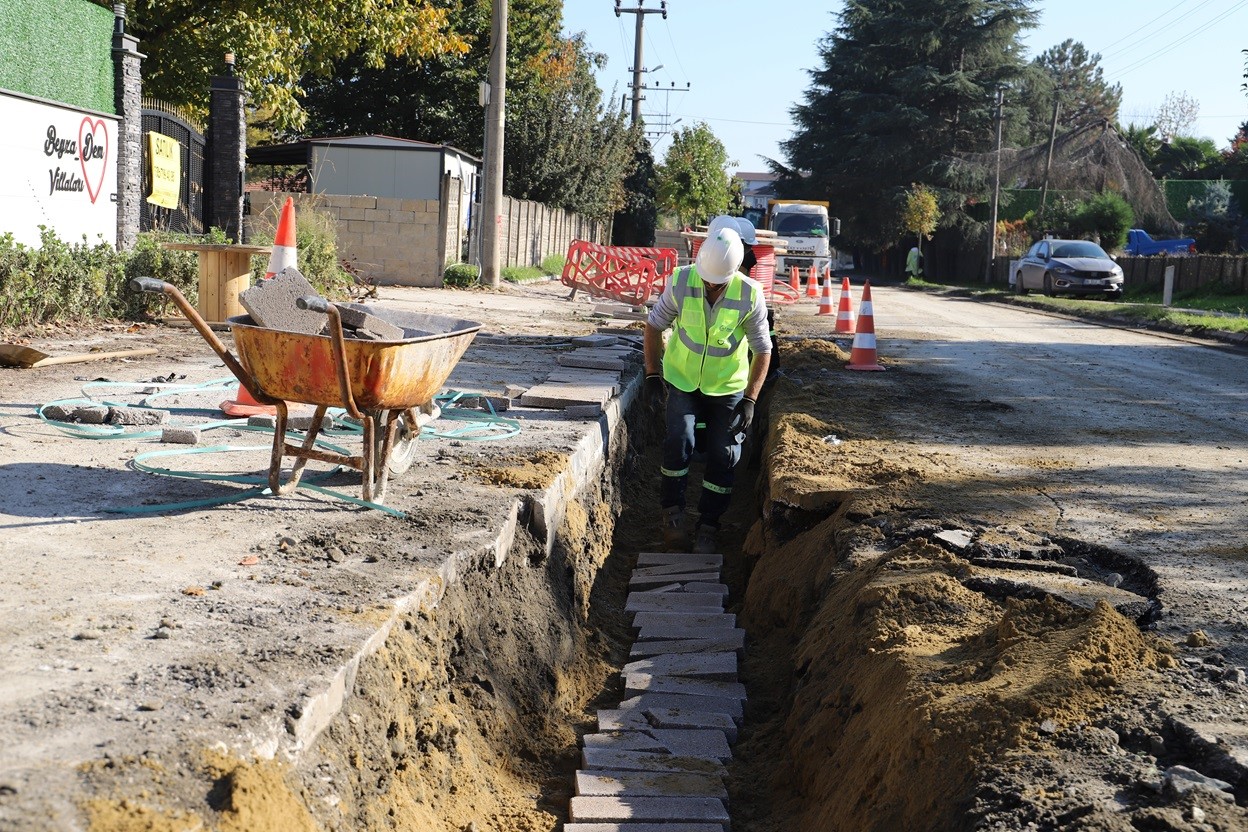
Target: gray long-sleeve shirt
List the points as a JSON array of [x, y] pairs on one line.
[[664, 313]]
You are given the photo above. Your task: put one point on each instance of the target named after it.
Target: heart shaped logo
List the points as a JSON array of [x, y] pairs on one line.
[[93, 154]]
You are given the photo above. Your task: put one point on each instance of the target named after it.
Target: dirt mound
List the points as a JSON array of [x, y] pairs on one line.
[[886, 692]]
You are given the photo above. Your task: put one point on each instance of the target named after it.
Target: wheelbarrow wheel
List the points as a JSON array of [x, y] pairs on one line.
[[403, 453]]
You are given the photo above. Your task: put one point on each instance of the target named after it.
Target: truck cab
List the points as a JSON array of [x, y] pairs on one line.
[[807, 232]]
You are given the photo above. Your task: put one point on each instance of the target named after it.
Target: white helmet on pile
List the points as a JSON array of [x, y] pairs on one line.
[[747, 231], [720, 256]]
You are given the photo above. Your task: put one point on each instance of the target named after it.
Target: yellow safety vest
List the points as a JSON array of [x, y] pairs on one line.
[[713, 359]]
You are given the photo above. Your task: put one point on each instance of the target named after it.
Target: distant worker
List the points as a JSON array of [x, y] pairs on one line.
[[705, 375], [914, 266]]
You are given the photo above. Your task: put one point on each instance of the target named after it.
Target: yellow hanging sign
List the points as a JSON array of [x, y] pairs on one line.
[[165, 166]]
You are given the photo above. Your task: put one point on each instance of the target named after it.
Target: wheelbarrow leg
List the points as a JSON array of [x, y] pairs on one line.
[[381, 461], [279, 450]]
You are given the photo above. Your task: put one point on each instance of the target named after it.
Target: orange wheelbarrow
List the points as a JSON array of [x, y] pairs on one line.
[[388, 386]]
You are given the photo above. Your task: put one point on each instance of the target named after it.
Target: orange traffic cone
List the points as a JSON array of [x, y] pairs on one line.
[[812, 286], [844, 314], [825, 300], [245, 404], [862, 356], [284, 251], [795, 281]]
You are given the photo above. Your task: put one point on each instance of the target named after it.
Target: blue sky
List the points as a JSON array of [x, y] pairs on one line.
[[746, 62]]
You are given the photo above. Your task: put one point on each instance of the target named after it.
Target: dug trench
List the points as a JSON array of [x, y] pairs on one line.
[[913, 661]]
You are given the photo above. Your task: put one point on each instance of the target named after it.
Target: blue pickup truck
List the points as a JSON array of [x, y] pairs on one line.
[[1140, 244]]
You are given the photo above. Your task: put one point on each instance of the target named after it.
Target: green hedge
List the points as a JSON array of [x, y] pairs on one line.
[[60, 281], [60, 50], [1016, 203]]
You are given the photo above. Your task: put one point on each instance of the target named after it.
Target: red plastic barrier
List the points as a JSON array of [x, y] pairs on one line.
[[628, 274]]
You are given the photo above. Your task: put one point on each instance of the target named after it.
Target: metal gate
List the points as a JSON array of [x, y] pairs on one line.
[[188, 217]]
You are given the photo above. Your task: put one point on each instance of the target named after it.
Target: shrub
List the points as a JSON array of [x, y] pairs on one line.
[[149, 258], [1106, 216], [522, 274], [460, 275], [553, 265], [57, 281], [1214, 218]]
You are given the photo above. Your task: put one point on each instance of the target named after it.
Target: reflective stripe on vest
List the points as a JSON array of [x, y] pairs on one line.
[[714, 358]]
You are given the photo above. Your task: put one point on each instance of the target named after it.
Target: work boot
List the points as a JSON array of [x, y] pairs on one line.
[[675, 538], [706, 542]]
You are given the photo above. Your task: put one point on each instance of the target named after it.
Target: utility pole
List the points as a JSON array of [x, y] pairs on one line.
[[492, 195], [1048, 162], [637, 47], [996, 191]]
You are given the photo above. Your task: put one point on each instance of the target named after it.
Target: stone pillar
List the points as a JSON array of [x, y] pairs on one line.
[[226, 154], [128, 101]]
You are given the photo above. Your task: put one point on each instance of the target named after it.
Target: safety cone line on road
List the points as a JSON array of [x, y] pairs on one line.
[[825, 300], [844, 312], [812, 288], [795, 281], [863, 355], [285, 253]]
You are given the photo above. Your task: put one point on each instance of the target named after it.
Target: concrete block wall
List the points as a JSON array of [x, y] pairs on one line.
[[410, 242], [392, 241]]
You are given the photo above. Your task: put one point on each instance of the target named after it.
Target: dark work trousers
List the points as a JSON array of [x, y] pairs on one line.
[[723, 451]]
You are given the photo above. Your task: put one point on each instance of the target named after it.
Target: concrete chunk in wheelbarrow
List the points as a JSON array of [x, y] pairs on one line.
[[271, 303], [366, 324]]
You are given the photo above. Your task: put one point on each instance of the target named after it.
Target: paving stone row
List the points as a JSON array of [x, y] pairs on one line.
[[658, 760]]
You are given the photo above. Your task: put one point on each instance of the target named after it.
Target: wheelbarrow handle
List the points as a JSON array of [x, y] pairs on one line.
[[313, 303], [147, 284], [151, 284]]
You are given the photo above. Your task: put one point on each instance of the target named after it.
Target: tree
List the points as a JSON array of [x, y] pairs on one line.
[[1186, 158], [635, 223], [693, 181], [1066, 73], [435, 99], [564, 148], [1176, 115], [901, 88], [920, 212], [1143, 140], [1214, 218], [276, 43]]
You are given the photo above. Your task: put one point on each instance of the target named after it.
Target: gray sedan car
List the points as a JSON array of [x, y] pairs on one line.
[[1075, 267]]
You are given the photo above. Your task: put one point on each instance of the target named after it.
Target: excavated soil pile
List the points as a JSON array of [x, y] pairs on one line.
[[913, 668]]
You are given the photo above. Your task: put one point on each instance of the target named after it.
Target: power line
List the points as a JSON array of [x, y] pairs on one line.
[[1109, 50], [1177, 43], [744, 121]]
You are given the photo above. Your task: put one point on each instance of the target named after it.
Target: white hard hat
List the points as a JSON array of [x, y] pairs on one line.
[[722, 221], [747, 231], [720, 256]]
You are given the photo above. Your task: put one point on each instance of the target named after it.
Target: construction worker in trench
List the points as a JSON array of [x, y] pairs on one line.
[[706, 374]]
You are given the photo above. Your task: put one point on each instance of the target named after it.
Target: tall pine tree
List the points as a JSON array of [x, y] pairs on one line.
[[904, 84]]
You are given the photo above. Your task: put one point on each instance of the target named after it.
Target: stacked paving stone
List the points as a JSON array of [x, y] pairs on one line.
[[657, 763]]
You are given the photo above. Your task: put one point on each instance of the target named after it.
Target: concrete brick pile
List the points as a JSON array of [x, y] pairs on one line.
[[657, 763], [586, 378]]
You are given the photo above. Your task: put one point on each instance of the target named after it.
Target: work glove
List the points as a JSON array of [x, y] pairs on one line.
[[742, 418], [655, 393]]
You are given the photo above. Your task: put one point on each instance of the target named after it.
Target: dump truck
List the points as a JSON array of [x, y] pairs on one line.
[[807, 231]]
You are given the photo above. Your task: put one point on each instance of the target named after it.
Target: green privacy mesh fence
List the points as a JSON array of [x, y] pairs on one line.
[[60, 50]]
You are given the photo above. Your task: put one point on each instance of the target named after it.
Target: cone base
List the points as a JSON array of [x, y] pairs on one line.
[[865, 367], [239, 409], [845, 329]]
